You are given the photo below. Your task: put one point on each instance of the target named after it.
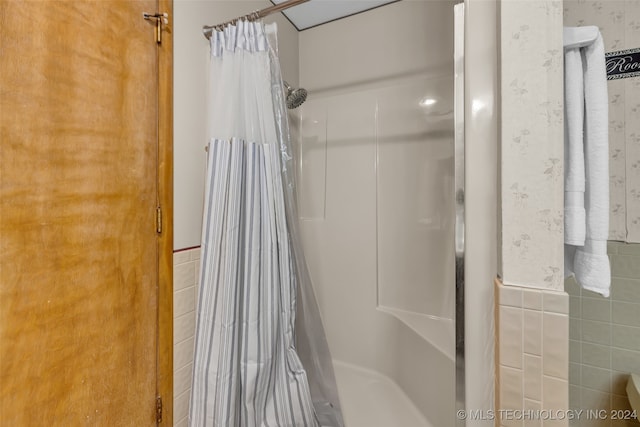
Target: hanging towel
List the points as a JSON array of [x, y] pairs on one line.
[[574, 180], [589, 261]]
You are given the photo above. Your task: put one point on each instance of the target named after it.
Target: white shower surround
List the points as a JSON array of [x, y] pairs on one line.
[[376, 200], [413, 349]]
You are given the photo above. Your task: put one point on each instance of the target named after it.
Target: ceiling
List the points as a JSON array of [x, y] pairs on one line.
[[317, 12]]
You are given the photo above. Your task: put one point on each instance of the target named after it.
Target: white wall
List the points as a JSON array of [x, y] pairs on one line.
[[531, 143], [191, 58]]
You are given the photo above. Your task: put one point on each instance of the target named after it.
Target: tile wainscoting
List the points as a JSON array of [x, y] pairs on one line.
[[186, 264], [604, 338], [532, 355]]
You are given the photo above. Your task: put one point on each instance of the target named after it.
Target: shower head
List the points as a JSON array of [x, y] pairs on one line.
[[295, 97]]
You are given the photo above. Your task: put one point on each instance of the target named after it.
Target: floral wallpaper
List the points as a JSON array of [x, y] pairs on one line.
[[619, 23], [532, 149]]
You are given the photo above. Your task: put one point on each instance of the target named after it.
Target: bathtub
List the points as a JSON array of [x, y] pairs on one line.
[[413, 393]]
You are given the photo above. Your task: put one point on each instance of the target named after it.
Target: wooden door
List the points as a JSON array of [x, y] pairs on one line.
[[80, 182]]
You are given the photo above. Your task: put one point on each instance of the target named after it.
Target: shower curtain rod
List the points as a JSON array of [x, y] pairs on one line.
[[208, 29]]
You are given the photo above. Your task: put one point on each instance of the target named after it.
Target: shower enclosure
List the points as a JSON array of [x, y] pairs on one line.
[[377, 205], [376, 141]]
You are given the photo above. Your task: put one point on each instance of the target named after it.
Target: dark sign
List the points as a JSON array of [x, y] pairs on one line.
[[623, 63]]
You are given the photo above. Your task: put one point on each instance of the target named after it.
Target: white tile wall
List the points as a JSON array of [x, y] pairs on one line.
[[533, 353], [186, 264]]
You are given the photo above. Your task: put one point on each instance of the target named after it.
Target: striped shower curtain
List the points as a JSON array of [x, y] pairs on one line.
[[246, 368]]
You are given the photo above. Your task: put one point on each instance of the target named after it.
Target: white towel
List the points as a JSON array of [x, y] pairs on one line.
[[574, 180], [590, 263]]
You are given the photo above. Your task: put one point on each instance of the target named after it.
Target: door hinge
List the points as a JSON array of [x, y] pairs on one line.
[[160, 18], [159, 220], [158, 410]]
